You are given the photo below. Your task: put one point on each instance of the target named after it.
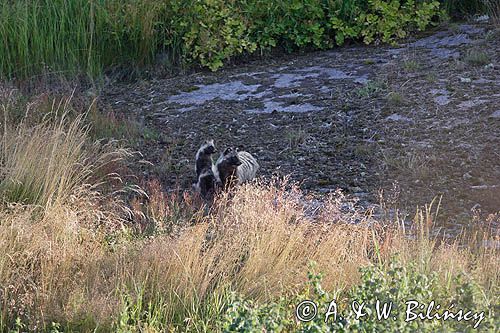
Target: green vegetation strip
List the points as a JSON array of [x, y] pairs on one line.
[[91, 36]]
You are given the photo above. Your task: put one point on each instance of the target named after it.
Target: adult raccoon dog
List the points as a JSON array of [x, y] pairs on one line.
[[204, 157], [235, 166]]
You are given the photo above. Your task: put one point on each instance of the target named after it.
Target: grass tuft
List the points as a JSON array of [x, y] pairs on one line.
[[50, 162], [477, 58]]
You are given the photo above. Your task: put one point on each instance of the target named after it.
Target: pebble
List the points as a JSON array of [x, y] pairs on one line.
[[495, 114]]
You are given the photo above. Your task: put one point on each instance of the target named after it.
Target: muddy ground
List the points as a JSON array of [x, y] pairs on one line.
[[417, 120]]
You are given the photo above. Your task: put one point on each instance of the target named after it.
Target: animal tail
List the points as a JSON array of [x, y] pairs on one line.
[[248, 168]]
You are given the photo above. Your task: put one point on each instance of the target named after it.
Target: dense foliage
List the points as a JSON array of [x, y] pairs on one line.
[[460, 9], [395, 284], [91, 36]]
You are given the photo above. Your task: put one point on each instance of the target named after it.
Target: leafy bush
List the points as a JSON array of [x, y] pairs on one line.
[[92, 36], [460, 9], [211, 31], [385, 21], [400, 284], [395, 284], [247, 316]]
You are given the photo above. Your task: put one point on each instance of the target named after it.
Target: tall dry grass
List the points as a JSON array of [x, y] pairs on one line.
[[58, 190], [257, 242], [59, 265], [49, 163]]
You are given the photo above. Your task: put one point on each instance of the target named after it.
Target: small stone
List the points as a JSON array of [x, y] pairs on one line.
[[482, 18], [495, 114], [397, 117], [465, 80], [442, 100]]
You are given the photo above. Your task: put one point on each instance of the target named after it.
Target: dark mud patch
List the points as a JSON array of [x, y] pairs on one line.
[[417, 121]]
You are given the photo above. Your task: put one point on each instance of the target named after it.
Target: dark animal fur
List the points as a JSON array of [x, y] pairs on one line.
[[205, 179], [204, 157], [206, 184], [226, 167]]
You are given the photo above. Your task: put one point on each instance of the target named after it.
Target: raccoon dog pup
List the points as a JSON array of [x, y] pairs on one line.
[[205, 178], [206, 185], [204, 157]]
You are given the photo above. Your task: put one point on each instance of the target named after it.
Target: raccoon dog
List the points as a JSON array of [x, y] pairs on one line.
[[205, 178], [206, 185], [235, 166], [204, 157]]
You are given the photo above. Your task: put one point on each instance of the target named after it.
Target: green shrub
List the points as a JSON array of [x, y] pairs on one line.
[[395, 284], [82, 36], [216, 32], [460, 9], [247, 316], [385, 21]]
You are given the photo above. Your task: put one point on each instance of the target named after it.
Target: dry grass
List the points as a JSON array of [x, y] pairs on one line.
[[57, 190], [416, 163], [49, 163], [257, 242], [58, 265]]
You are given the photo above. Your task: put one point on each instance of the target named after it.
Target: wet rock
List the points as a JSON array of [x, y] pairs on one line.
[[442, 39], [442, 98], [445, 53], [397, 117], [272, 106], [355, 189], [470, 29], [482, 18], [442, 44], [362, 79], [484, 81], [231, 91], [470, 103], [495, 114], [289, 80]]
